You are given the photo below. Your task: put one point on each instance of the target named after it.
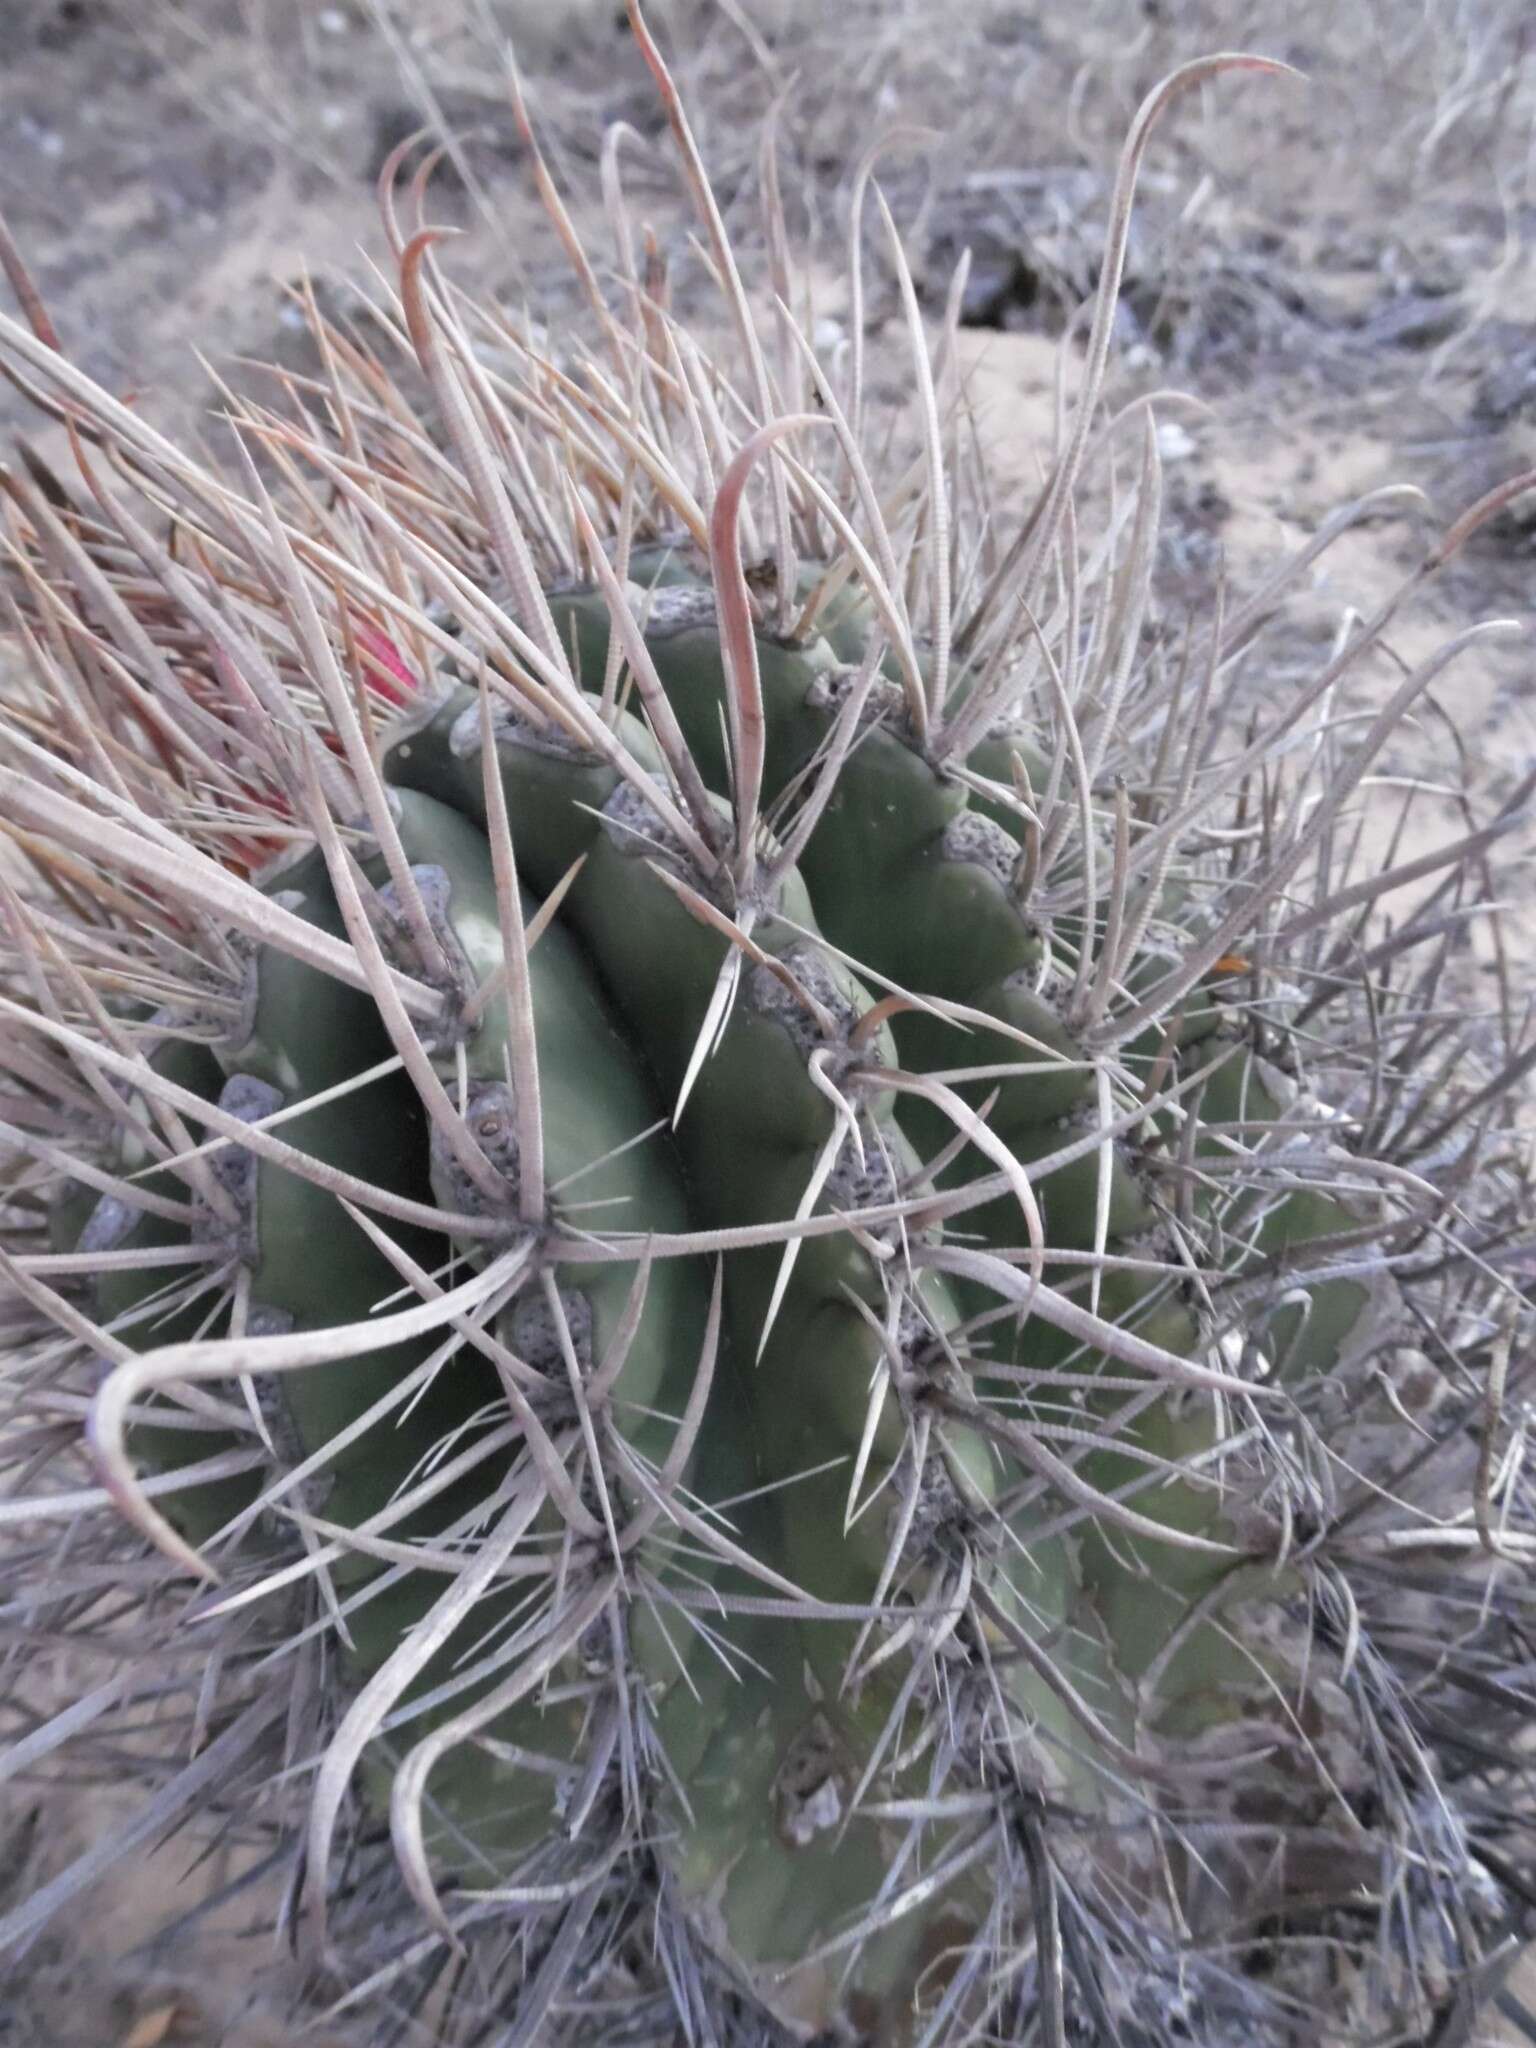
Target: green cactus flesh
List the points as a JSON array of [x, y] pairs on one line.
[[910, 871]]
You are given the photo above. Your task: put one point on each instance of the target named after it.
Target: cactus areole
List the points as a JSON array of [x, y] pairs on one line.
[[664, 1123]]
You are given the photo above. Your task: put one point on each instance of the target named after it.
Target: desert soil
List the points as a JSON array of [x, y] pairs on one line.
[[1342, 269]]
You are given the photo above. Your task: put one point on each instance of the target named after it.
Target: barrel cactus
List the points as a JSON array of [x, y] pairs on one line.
[[788, 1327]]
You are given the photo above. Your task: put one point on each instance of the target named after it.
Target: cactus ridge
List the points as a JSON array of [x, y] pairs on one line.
[[729, 1207]]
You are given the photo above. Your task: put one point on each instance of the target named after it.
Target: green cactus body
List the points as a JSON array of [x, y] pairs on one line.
[[750, 1136], [912, 874], [924, 913], [906, 873], [310, 1267], [1147, 1594]]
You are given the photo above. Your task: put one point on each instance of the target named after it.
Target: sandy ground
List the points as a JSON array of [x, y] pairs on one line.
[[1344, 272]]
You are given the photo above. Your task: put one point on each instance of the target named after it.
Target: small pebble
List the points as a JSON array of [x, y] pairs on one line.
[[1174, 443]]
